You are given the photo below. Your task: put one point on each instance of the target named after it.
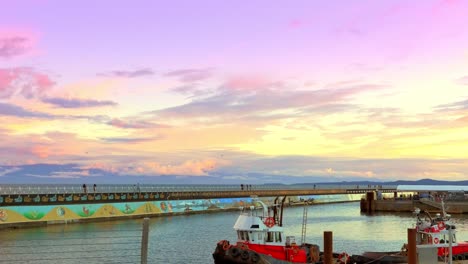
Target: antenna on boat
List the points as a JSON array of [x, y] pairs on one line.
[[444, 214]]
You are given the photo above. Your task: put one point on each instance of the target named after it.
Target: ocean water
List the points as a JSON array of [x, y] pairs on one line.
[[192, 238]]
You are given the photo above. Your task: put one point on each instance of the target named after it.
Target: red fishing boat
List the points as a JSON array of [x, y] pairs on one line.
[[261, 239], [440, 232]]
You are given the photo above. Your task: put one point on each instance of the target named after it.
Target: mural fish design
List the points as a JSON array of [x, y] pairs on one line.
[[3, 215]]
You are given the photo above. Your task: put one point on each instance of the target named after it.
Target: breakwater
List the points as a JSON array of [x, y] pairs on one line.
[[25, 209], [408, 202], [17, 216]]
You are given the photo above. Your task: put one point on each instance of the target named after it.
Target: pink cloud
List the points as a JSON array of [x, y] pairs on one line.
[[15, 43], [463, 80], [296, 23], [191, 75], [23, 81], [116, 122], [195, 168], [128, 74], [40, 151], [249, 98], [187, 168], [249, 82]]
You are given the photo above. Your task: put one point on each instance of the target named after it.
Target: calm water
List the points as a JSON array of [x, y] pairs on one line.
[[192, 238]]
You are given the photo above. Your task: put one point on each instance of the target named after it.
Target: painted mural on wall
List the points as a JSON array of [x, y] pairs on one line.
[[37, 199], [66, 212], [16, 214], [331, 198]]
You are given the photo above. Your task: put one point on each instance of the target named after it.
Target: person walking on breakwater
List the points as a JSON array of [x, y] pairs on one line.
[[84, 188], [94, 188], [242, 187]]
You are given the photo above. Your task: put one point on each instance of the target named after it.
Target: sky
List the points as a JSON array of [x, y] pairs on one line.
[[233, 91]]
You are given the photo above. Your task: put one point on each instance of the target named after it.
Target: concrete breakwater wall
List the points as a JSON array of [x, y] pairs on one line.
[[372, 203], [410, 205], [26, 215]]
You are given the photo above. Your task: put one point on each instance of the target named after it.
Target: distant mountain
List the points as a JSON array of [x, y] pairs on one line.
[[399, 182], [76, 174]]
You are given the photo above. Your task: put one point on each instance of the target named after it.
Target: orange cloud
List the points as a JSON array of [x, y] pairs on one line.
[[187, 168], [190, 167]]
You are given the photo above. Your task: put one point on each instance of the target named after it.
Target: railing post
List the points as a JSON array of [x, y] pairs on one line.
[[144, 241], [327, 247]]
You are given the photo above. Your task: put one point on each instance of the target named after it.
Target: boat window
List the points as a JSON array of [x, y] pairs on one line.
[[259, 236], [239, 235], [277, 237], [269, 237], [246, 235]]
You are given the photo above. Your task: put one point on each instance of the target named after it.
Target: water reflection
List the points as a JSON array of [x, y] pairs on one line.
[[178, 239]]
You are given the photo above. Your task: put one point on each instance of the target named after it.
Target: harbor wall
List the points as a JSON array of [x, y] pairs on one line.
[[407, 203], [410, 205], [26, 215]]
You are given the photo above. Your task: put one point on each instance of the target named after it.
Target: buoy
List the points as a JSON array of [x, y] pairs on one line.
[[343, 258], [269, 222], [441, 225]]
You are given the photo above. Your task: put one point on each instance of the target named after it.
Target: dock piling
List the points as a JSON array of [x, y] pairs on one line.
[[328, 247], [412, 254], [144, 241]]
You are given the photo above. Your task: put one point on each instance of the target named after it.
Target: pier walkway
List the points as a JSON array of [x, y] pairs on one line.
[[18, 195]]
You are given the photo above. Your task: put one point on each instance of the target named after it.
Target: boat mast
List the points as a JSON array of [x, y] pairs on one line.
[[281, 213], [444, 214]]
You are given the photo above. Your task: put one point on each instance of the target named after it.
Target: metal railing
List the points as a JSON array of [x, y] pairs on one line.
[[12, 189], [97, 246]]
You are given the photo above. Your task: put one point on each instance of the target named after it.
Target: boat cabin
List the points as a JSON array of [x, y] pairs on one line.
[[434, 232], [256, 226]]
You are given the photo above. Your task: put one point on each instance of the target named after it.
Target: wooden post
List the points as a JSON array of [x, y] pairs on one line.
[[412, 255], [144, 241], [328, 247]]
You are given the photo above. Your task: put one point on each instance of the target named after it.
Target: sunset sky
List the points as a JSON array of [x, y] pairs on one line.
[[233, 91]]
